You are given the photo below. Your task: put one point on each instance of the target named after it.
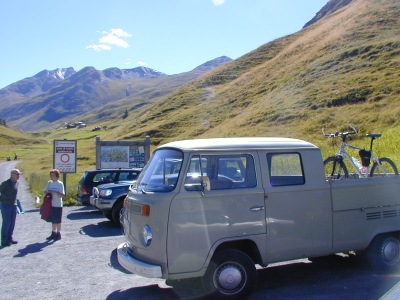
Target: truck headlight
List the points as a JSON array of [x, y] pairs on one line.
[[105, 193], [147, 235]]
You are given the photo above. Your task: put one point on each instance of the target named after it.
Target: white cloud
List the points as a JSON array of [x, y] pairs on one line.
[[141, 63], [113, 37], [99, 47], [128, 61], [120, 32], [218, 2], [113, 40]]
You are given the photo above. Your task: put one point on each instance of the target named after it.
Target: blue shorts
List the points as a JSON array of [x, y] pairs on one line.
[[56, 214]]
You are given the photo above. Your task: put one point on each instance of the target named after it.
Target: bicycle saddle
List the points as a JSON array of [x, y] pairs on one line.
[[374, 135]]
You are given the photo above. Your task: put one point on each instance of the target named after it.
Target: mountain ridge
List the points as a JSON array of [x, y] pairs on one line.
[[331, 7], [37, 102]]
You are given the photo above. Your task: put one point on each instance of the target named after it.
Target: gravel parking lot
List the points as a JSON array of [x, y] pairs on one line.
[[83, 265]]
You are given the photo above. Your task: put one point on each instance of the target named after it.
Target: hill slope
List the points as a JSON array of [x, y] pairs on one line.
[[343, 69]]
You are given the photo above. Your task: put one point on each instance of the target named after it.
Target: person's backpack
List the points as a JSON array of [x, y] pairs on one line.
[[46, 208]]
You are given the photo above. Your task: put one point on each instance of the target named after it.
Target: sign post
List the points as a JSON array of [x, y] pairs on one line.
[[64, 157]]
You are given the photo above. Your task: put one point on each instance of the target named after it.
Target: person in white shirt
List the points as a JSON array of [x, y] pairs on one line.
[[56, 188]]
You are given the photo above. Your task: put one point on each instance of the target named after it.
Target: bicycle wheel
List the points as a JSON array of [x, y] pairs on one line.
[[335, 168], [385, 168]]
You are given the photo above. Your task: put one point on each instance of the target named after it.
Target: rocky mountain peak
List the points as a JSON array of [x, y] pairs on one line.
[[329, 8], [211, 64], [139, 72]]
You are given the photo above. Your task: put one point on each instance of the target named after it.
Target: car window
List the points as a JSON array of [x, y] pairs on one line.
[[128, 176], [285, 169], [162, 172], [104, 177], [224, 172]]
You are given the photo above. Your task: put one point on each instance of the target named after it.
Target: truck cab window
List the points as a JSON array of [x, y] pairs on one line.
[[285, 169], [224, 171]]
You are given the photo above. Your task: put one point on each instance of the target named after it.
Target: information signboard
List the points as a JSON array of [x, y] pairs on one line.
[[64, 156], [122, 154]]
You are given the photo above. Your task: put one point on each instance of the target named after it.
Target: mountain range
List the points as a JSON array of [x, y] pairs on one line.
[[52, 97]]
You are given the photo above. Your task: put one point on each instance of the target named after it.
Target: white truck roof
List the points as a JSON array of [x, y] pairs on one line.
[[245, 143]]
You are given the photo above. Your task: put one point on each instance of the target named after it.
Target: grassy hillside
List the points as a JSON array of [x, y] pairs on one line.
[[343, 69]]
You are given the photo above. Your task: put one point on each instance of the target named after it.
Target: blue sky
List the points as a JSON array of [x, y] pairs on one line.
[[170, 36]]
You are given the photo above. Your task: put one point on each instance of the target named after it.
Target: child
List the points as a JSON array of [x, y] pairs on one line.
[[56, 188]]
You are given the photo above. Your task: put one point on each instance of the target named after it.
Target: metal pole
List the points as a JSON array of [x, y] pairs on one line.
[[65, 182]]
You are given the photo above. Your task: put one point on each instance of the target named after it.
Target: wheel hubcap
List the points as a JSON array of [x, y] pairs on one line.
[[390, 252], [229, 278]]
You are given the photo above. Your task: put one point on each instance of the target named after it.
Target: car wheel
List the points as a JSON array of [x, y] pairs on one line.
[[384, 252], [116, 211], [230, 274], [108, 215]]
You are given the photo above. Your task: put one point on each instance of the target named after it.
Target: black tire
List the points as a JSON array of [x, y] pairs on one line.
[[385, 168], [335, 168], [384, 252], [115, 213], [230, 274], [108, 215]]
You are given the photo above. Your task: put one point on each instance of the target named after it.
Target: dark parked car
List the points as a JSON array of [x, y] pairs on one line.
[[109, 199], [93, 178]]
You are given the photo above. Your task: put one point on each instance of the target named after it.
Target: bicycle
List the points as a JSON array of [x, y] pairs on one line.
[[335, 167]]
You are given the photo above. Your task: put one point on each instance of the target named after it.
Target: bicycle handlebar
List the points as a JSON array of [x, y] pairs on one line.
[[343, 135]]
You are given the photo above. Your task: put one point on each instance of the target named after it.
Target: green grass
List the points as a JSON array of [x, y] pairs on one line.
[[37, 159], [343, 69]]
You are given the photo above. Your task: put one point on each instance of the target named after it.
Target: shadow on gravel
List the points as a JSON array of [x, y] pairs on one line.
[[85, 213], [115, 264], [101, 229], [151, 292], [334, 277], [32, 248]]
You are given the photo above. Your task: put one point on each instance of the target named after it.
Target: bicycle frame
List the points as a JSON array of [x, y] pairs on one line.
[[342, 152]]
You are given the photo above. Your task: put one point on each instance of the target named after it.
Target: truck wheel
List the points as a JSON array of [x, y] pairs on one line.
[[115, 212], [384, 252], [230, 274]]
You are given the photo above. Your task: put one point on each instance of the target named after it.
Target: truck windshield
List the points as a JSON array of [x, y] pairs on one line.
[[161, 173]]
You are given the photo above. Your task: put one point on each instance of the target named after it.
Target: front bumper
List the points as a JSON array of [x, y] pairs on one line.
[[102, 204], [136, 266]]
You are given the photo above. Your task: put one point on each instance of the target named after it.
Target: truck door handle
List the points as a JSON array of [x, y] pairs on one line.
[[257, 208]]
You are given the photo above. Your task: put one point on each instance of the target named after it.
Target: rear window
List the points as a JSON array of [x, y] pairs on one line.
[[128, 176], [285, 169], [104, 177]]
